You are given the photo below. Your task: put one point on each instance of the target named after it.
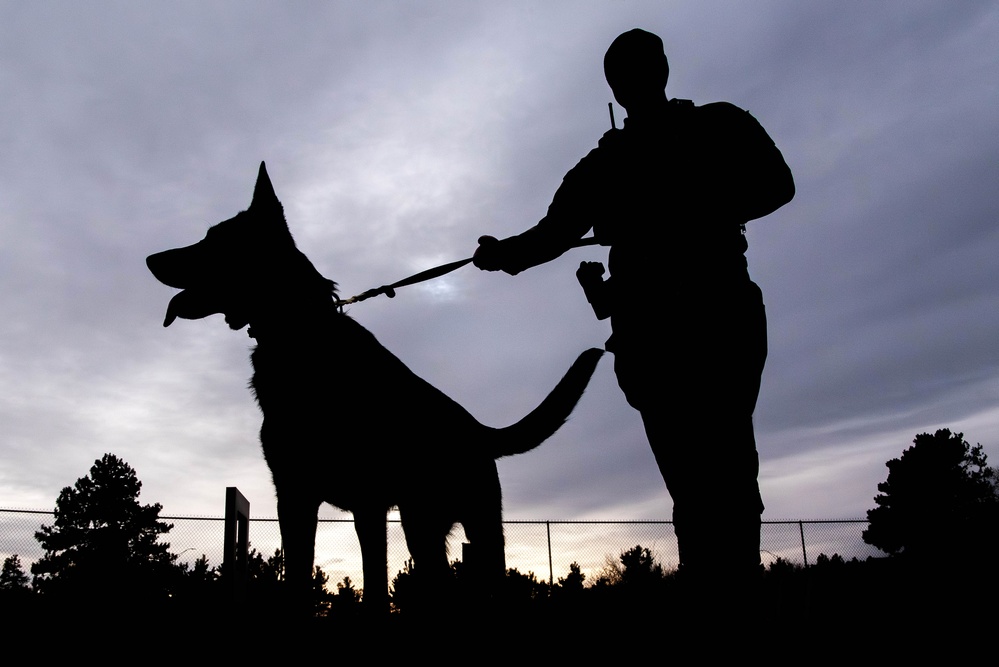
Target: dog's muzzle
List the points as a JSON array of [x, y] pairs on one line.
[[178, 268]]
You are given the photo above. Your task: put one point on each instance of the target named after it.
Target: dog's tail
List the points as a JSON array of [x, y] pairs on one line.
[[542, 422]]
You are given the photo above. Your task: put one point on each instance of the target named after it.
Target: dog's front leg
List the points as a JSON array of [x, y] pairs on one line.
[[297, 517], [370, 526]]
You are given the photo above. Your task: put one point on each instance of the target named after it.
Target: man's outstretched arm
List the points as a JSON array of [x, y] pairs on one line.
[[569, 217]]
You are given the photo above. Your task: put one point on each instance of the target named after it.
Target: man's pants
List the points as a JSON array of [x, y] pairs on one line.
[[695, 382]]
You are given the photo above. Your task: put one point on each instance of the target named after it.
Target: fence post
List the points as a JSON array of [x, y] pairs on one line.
[[237, 539], [551, 572], [801, 531]]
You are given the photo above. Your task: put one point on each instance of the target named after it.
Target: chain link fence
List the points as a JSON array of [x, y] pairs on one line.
[[545, 548]]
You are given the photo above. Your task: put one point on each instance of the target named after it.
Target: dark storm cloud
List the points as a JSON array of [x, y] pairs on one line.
[[395, 134]]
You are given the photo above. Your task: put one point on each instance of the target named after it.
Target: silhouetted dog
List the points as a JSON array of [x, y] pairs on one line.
[[345, 421]]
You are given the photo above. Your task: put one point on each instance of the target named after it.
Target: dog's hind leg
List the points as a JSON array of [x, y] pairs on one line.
[[370, 527], [297, 516], [426, 537], [483, 524]]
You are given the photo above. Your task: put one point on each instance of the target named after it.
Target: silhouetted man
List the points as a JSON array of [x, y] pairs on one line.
[[670, 193]]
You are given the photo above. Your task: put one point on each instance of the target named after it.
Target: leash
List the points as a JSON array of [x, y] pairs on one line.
[[429, 274]]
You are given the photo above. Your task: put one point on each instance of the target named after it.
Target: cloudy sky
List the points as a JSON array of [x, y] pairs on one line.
[[395, 134]]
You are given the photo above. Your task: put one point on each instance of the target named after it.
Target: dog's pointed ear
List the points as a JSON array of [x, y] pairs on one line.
[[263, 192]]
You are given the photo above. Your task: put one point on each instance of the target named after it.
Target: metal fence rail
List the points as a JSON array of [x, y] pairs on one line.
[[545, 548]]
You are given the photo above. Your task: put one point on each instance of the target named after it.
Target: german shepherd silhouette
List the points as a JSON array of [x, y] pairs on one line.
[[344, 420]]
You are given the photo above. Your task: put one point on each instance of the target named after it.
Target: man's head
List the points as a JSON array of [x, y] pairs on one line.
[[636, 68]]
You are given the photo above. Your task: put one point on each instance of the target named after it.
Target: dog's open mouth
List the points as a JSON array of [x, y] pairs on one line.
[[172, 268], [190, 304]]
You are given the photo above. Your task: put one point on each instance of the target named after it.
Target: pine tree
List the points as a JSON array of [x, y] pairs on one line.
[[12, 577], [939, 502], [103, 542]]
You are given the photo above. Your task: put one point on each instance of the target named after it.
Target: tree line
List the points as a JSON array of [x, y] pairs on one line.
[[934, 517]]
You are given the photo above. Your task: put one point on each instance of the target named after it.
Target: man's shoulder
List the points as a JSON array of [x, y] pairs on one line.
[[607, 150], [594, 165], [724, 112], [611, 139], [720, 108], [727, 114]]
